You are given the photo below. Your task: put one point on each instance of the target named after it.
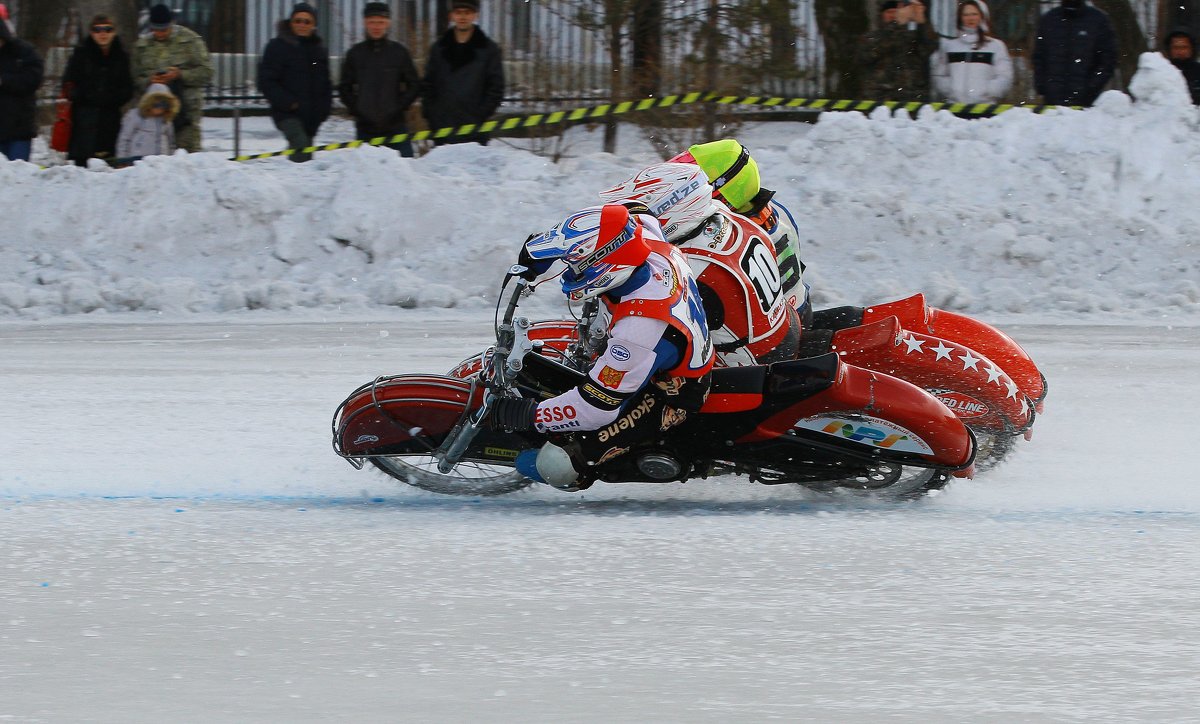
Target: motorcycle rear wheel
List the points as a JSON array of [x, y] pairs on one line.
[[467, 478], [887, 481]]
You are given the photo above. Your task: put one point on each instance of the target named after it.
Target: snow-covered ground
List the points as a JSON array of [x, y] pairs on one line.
[[180, 543]]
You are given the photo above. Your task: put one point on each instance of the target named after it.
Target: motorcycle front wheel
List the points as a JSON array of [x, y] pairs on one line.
[[467, 478]]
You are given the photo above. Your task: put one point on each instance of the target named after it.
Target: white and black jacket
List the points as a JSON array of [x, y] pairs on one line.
[[963, 73]]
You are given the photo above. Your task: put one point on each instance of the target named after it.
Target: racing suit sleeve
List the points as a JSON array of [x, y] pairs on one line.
[[638, 347]]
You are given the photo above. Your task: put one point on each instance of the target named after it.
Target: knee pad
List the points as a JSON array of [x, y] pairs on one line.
[[555, 467]]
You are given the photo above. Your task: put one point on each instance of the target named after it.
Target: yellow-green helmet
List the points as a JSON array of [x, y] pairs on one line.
[[730, 170]]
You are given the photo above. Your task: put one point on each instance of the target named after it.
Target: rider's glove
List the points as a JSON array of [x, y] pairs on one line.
[[526, 260], [514, 413]]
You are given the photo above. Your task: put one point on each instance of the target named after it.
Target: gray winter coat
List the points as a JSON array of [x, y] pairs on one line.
[[145, 135]]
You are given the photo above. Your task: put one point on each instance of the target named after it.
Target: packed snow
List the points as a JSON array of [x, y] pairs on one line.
[[1058, 215], [180, 543]]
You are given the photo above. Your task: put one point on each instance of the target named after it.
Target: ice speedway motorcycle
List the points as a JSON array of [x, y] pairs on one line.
[[823, 422], [981, 374]]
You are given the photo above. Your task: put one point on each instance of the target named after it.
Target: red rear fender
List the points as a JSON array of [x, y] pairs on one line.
[[967, 382], [914, 314]]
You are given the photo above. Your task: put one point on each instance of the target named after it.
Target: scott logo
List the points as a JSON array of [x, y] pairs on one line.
[[862, 433]]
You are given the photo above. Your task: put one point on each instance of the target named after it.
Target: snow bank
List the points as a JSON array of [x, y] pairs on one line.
[[1066, 214]]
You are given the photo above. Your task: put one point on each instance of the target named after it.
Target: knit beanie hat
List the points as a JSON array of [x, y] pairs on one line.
[[377, 10], [303, 8]]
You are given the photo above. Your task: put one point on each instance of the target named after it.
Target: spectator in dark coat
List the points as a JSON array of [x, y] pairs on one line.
[[1074, 55], [896, 55], [379, 81], [20, 77], [98, 82], [294, 76], [464, 78], [1181, 51]]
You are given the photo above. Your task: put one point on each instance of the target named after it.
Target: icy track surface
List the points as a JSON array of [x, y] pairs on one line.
[[181, 544]]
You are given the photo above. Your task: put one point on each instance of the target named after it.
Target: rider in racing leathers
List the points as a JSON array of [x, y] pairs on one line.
[[655, 368], [734, 175], [739, 279]]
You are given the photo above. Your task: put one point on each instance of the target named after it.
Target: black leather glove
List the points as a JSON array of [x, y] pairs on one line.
[[525, 260], [513, 413]]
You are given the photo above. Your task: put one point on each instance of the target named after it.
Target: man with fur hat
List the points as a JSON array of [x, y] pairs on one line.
[[20, 76], [176, 57], [379, 81], [294, 76], [464, 78]]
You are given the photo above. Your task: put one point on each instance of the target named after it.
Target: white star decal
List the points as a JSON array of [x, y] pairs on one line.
[[993, 374], [1012, 389], [942, 351], [969, 361], [914, 344]]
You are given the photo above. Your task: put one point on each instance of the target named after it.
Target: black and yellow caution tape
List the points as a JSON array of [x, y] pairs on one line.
[[974, 110]]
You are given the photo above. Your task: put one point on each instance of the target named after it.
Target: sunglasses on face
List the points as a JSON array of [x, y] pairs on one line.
[[103, 28], [302, 21]]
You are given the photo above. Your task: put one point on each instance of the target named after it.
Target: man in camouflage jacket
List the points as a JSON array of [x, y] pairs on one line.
[[178, 58], [896, 56]]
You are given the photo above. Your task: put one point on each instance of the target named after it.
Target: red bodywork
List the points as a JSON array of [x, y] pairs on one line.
[[859, 391], [915, 315], [968, 383]]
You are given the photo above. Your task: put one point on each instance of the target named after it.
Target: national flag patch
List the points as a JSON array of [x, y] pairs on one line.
[[611, 378]]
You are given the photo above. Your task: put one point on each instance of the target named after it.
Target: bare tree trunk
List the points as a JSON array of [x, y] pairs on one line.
[[615, 20], [51, 23], [1131, 41], [842, 25], [712, 51], [647, 47]]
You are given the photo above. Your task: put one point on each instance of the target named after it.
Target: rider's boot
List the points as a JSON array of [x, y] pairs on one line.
[[551, 465]]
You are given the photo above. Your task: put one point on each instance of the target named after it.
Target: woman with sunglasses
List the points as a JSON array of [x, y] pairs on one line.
[[97, 83]]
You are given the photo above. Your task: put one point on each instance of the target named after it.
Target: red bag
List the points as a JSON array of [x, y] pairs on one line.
[[60, 136]]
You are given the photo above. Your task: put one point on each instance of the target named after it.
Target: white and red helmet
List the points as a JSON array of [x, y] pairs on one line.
[[601, 246], [678, 194]]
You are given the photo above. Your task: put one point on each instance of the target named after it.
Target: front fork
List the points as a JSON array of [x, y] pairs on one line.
[[506, 363]]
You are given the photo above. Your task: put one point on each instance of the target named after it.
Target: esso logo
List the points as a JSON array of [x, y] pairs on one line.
[[554, 414]]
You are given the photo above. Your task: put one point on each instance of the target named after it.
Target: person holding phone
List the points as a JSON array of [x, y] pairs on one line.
[[895, 56]]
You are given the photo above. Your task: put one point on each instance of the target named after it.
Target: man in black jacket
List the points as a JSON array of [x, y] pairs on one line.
[[20, 76], [1075, 54], [464, 78], [1181, 51], [294, 76], [379, 81]]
